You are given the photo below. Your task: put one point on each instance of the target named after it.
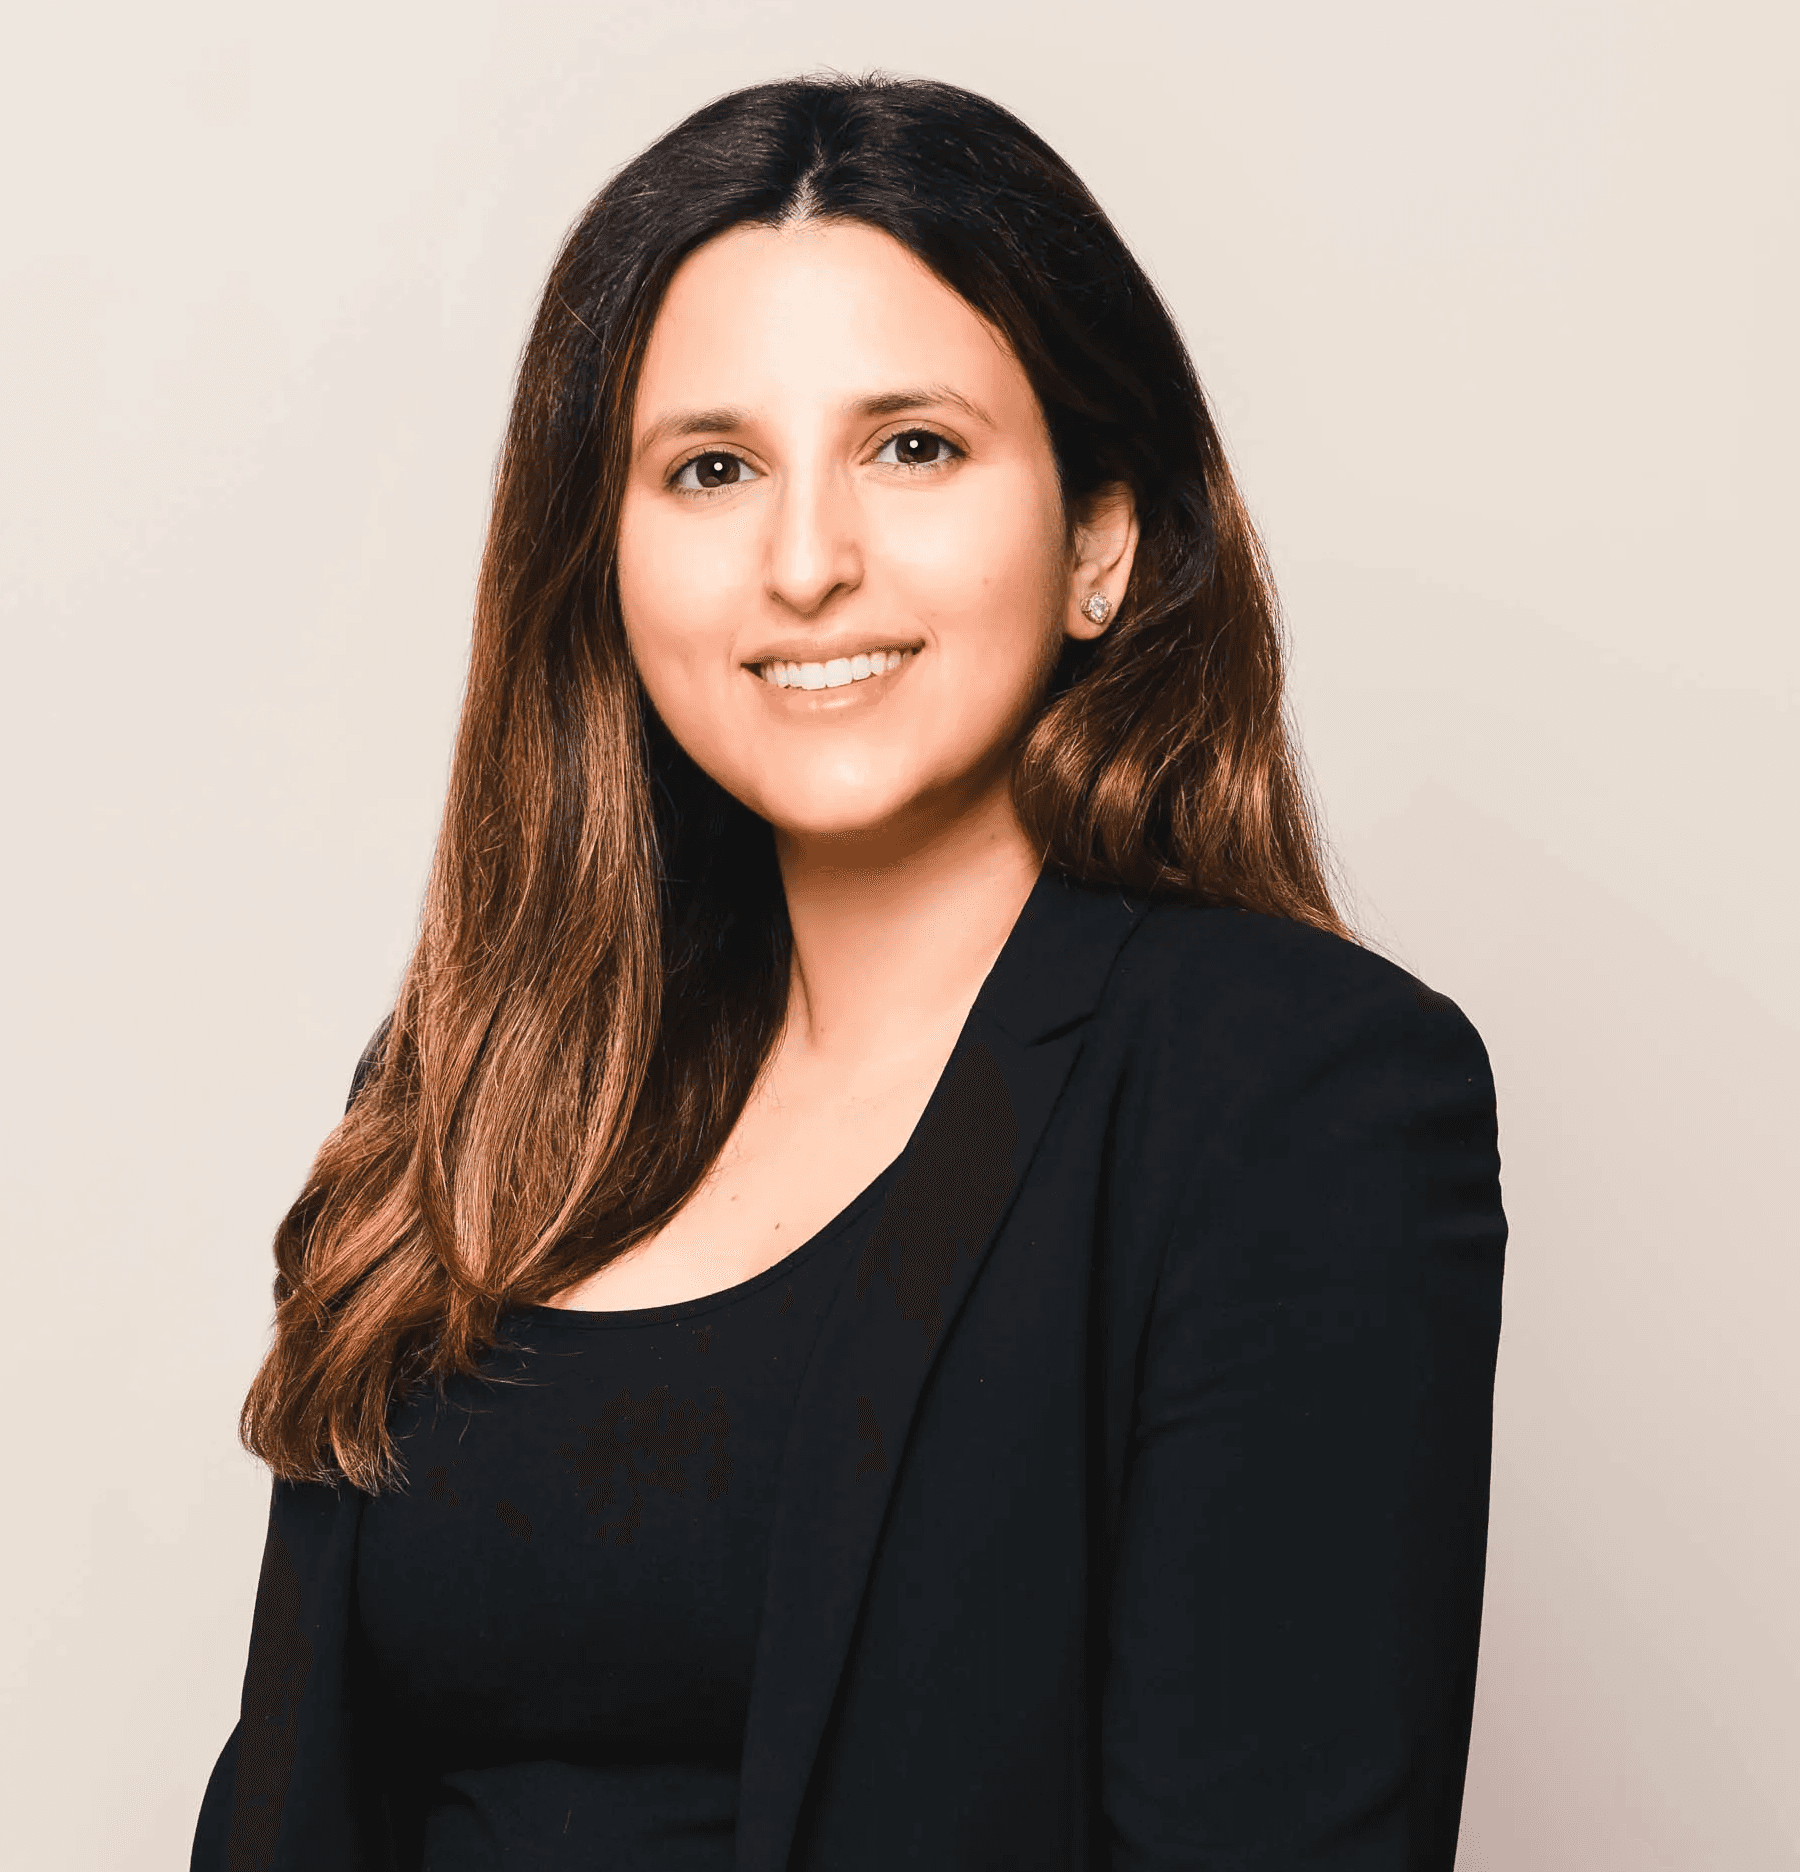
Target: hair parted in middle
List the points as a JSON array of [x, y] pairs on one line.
[[603, 964]]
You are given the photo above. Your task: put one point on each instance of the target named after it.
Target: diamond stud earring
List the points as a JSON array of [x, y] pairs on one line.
[[1096, 608]]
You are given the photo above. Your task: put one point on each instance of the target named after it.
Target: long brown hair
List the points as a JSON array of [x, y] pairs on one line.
[[602, 968]]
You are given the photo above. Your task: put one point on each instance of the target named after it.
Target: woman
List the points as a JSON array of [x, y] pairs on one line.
[[894, 1292]]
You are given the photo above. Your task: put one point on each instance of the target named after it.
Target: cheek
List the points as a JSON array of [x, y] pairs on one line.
[[990, 574], [677, 604]]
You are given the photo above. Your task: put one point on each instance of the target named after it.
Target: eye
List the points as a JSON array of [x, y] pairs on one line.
[[917, 448], [701, 474]]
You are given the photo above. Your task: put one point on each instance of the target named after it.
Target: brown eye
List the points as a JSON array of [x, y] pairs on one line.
[[916, 448], [714, 469]]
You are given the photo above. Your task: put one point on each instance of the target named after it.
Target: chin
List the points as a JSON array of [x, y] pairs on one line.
[[824, 808], [846, 824], [828, 797]]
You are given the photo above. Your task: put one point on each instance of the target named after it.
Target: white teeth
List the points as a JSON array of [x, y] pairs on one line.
[[835, 674]]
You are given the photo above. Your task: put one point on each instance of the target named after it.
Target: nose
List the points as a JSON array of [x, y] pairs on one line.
[[814, 549]]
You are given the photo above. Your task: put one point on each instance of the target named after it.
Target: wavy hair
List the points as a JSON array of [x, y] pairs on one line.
[[602, 966]]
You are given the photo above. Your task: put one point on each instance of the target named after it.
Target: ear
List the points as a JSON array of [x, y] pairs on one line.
[[1102, 544]]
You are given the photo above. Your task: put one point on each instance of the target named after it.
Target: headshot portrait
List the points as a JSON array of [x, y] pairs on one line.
[[903, 968]]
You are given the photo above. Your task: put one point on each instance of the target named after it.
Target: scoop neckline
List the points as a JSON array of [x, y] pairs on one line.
[[589, 1319]]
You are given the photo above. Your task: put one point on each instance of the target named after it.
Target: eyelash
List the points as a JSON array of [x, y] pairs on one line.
[[913, 429], [955, 454]]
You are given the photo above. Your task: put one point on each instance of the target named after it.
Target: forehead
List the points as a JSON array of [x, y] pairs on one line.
[[822, 312]]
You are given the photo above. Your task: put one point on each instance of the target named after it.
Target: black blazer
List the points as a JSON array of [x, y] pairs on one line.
[[1134, 1510]]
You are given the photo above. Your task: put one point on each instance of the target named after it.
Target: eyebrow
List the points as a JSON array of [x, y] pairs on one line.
[[724, 420]]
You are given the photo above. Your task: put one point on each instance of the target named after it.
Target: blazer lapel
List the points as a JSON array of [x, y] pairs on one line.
[[956, 1181]]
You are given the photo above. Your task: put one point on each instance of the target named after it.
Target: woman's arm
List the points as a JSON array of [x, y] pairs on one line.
[[290, 1792], [1297, 1593], [293, 1682]]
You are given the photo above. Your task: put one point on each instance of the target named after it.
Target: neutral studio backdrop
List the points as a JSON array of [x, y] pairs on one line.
[[1497, 306]]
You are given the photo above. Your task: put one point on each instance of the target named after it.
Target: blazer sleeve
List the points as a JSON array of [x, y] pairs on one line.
[[283, 1794], [290, 1793], [1296, 1595]]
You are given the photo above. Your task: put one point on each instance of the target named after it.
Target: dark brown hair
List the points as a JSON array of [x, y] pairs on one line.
[[603, 964]]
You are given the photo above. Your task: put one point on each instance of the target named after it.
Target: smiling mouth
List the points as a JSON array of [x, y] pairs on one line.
[[839, 673]]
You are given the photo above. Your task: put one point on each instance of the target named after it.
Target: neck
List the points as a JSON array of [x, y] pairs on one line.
[[892, 939]]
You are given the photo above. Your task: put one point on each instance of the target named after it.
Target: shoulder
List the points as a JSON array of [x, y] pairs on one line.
[[1238, 983], [1326, 1115], [370, 1060], [1223, 1019]]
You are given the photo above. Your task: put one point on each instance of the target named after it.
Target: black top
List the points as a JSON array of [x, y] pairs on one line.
[[560, 1610], [1133, 1509]]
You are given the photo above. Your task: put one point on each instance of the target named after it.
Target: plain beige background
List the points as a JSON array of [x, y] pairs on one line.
[[1498, 306]]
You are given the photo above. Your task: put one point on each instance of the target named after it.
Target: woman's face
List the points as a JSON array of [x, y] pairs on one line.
[[844, 564]]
